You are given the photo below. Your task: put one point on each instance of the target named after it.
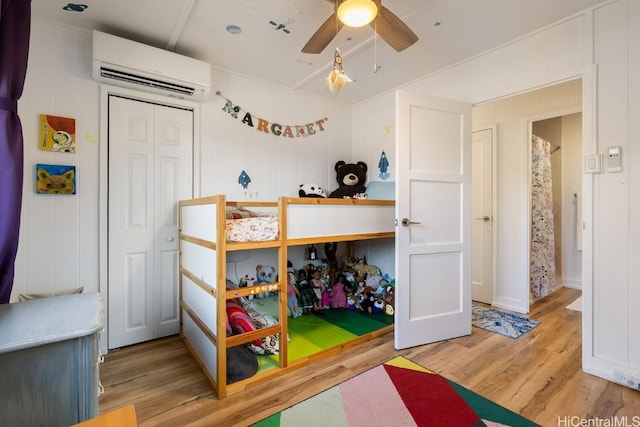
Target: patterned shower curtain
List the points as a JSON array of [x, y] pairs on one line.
[[542, 274]]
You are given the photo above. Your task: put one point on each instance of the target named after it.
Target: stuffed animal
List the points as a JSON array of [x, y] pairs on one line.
[[368, 298], [351, 301], [244, 281], [389, 308], [265, 274], [374, 282], [378, 303], [351, 178], [366, 270], [311, 190]]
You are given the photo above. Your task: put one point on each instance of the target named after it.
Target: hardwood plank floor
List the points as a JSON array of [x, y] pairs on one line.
[[538, 375]]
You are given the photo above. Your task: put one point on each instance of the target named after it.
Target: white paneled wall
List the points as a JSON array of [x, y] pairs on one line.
[[277, 165], [615, 273], [59, 244]]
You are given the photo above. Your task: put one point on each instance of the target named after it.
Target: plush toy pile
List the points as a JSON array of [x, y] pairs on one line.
[[350, 284]]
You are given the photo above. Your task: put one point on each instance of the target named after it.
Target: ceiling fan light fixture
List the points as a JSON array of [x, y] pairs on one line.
[[357, 13]]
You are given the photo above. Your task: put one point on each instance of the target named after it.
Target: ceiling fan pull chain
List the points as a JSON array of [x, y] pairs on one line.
[[375, 46]]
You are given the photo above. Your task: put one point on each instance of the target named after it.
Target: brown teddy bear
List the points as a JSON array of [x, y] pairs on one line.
[[351, 178]]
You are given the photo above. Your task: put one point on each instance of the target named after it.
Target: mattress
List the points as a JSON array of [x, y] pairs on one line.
[[243, 225]]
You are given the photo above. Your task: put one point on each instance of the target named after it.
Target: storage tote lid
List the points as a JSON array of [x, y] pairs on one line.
[[48, 320]]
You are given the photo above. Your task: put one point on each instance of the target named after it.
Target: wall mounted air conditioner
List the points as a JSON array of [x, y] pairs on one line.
[[134, 65]]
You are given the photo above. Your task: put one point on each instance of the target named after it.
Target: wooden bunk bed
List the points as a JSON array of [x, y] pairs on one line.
[[205, 229]]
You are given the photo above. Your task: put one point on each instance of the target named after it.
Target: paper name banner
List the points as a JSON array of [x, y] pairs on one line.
[[269, 127]]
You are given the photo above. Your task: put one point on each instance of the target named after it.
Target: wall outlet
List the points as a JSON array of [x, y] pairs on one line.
[[626, 379]]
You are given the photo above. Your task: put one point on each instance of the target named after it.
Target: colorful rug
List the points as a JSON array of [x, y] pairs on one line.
[[507, 324], [397, 393]]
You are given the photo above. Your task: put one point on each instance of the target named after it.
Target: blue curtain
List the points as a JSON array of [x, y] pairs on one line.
[[15, 27]]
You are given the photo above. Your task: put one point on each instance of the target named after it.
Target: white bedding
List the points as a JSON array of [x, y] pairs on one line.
[[249, 226]]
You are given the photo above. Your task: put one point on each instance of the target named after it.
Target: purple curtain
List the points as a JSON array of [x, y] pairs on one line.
[[15, 26]]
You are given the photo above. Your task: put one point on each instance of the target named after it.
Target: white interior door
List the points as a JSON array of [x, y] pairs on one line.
[[150, 169], [433, 210], [482, 207]]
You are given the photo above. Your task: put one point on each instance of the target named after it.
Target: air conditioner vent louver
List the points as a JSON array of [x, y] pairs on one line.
[[134, 65], [145, 81]]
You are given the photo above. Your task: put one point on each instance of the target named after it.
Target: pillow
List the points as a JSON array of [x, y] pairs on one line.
[[381, 190], [270, 344], [239, 320], [235, 212]]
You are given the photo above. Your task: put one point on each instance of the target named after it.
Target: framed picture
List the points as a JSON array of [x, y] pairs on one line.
[[55, 179], [57, 134]]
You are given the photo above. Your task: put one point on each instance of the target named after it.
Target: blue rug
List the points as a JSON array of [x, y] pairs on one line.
[[509, 325]]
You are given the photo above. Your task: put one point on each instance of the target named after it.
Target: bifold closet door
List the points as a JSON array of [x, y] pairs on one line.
[[150, 170]]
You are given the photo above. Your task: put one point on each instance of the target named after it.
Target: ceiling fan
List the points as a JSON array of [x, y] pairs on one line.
[[388, 26]]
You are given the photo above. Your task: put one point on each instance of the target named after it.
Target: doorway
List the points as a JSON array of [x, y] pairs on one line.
[[150, 168], [482, 206], [562, 138]]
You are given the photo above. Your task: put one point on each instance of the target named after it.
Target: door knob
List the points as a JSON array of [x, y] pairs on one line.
[[169, 239], [485, 218], [407, 222]]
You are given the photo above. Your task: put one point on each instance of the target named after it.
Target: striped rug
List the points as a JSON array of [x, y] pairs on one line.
[[396, 393]]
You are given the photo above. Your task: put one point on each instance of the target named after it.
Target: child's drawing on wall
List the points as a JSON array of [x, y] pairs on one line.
[[57, 134], [55, 179]]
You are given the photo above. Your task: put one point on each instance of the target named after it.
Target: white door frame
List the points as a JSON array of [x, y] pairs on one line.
[[494, 200], [589, 146], [103, 203]]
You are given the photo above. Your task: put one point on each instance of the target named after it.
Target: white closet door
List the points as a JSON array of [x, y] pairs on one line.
[[150, 169]]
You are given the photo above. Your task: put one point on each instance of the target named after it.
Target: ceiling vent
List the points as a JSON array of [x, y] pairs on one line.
[[134, 65]]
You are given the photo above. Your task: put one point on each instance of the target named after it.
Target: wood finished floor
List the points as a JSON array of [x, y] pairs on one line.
[[538, 375]]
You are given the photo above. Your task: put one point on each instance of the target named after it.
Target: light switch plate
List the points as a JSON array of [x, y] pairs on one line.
[[593, 163]]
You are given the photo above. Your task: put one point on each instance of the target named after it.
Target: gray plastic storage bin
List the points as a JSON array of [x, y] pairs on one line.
[[49, 360]]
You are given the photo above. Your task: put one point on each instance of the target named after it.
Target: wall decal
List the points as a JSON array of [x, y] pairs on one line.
[[269, 127], [55, 179], [383, 165], [57, 134], [244, 179]]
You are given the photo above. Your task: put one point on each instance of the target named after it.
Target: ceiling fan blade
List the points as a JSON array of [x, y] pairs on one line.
[[321, 38], [393, 30]]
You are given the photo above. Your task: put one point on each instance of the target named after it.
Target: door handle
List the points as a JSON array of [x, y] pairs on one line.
[[407, 222], [485, 218], [169, 239]]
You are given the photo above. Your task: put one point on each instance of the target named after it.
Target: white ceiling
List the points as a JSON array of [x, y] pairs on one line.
[[448, 31]]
